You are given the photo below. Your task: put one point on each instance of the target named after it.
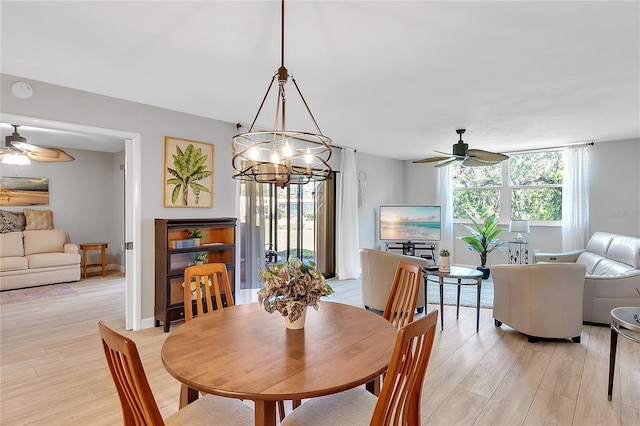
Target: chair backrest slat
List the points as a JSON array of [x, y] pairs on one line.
[[139, 407], [400, 399], [403, 298], [205, 278]]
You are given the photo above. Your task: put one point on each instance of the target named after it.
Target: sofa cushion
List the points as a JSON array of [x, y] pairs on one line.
[[46, 260], [11, 244], [44, 241], [626, 250], [38, 219], [599, 243], [590, 260], [11, 221], [609, 267], [13, 263]]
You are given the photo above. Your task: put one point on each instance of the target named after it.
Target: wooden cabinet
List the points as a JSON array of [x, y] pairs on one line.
[[173, 254]]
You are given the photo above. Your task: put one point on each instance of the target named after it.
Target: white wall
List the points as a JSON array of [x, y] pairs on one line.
[[383, 186], [615, 187]]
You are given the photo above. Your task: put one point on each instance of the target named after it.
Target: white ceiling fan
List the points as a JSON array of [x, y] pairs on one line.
[[18, 151], [468, 157]]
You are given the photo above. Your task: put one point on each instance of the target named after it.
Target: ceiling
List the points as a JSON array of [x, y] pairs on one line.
[[389, 78]]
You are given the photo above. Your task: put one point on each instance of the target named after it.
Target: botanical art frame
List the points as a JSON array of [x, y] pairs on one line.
[[24, 191], [188, 173]]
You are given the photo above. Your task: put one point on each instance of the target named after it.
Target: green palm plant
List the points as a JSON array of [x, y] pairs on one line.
[[189, 168], [483, 239]]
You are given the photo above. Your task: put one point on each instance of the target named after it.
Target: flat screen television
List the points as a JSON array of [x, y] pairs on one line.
[[410, 223]]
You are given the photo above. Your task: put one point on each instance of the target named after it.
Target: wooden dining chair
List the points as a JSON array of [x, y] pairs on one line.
[[205, 278], [403, 297], [216, 275], [400, 399], [139, 406]]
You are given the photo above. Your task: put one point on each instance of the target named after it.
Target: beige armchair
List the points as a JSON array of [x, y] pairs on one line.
[[541, 301], [378, 271]]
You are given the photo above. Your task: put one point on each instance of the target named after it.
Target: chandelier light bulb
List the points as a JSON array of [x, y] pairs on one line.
[[308, 158], [275, 158], [286, 151], [253, 153]]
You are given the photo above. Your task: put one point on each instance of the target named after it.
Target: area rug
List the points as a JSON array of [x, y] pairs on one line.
[[34, 293], [468, 294]]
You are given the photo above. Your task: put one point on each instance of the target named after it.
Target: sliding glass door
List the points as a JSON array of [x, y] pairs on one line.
[[297, 220]]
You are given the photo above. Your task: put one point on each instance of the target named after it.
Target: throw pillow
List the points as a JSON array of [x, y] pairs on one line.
[[38, 219], [11, 221]]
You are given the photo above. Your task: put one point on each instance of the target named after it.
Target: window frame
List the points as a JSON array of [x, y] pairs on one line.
[[505, 192]]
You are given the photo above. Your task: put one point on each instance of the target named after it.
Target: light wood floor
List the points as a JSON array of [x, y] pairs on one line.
[[53, 370]]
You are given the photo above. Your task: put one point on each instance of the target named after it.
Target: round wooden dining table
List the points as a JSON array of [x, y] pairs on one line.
[[246, 353]]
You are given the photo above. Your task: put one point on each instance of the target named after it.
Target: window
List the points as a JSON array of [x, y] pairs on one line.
[[533, 190]]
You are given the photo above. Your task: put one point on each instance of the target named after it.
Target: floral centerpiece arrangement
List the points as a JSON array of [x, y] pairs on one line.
[[290, 287]]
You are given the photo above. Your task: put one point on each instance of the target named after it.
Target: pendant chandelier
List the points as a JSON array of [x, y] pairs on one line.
[[281, 156]]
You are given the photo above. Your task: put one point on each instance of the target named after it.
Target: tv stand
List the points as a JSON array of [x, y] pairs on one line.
[[409, 249]]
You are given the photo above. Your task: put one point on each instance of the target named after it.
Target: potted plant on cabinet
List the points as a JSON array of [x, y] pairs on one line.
[[200, 257], [484, 240], [444, 261], [195, 235]]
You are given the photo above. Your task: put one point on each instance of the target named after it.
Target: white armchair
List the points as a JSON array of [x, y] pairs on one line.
[[540, 301]]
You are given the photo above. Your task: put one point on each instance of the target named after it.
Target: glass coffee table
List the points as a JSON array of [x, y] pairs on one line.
[[459, 276], [623, 321]]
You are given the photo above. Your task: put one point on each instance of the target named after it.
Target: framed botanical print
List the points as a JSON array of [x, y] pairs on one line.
[[188, 173]]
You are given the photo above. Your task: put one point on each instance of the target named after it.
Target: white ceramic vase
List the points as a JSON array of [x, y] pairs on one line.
[[297, 324], [444, 264]]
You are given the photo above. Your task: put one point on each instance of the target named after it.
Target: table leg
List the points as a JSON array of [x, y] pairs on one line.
[[612, 360], [478, 306], [187, 395], [84, 263], [441, 303], [265, 412], [458, 300], [426, 284], [104, 261]]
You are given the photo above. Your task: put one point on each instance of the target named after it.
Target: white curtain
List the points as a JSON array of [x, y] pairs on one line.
[[575, 198], [347, 259], [444, 197], [254, 229]]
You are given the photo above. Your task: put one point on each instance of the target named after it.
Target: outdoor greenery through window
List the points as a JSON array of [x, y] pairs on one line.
[[527, 186]]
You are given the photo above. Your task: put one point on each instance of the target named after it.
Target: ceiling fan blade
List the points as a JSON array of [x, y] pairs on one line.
[[486, 156], [447, 162], [473, 162], [40, 151], [431, 159], [61, 156]]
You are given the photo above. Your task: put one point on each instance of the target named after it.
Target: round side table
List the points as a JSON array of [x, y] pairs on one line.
[[622, 319], [94, 246]]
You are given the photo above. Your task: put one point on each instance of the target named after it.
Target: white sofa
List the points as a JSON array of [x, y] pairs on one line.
[[540, 301], [378, 271], [612, 273], [37, 257]]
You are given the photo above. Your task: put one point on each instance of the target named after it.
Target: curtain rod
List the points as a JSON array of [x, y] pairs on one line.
[[549, 148]]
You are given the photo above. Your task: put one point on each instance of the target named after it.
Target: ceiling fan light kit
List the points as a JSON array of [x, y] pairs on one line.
[[281, 156], [18, 151], [467, 157]]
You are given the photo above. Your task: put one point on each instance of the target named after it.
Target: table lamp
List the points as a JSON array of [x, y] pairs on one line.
[[519, 226]]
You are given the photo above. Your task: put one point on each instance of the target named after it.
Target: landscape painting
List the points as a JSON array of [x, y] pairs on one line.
[[24, 191]]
